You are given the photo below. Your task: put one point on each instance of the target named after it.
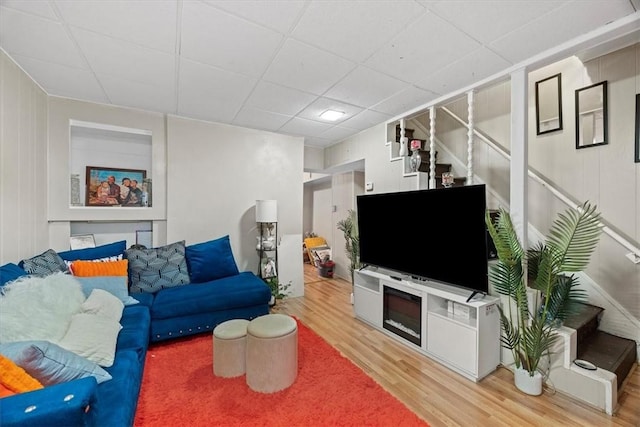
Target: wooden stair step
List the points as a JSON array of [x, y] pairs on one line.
[[440, 167], [407, 132], [609, 352], [585, 321]]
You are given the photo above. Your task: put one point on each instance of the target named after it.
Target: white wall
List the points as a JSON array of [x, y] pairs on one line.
[[215, 175], [23, 164]]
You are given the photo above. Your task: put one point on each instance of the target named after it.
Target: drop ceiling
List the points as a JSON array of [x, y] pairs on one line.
[[277, 65]]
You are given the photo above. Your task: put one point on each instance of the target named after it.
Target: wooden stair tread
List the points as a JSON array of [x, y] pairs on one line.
[[585, 322], [609, 352], [586, 314]]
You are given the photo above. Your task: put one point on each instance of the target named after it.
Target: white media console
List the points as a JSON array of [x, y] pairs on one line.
[[466, 340]]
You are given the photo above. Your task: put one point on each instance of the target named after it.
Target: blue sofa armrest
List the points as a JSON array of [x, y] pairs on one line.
[[66, 404]]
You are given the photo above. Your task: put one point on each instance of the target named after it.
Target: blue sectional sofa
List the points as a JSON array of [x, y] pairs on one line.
[[216, 291]]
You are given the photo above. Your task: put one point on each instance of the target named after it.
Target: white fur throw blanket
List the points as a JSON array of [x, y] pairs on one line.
[[39, 308]]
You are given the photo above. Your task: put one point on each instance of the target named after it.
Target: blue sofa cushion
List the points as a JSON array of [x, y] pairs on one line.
[[242, 290], [211, 260], [151, 270], [104, 251], [46, 263], [118, 398], [66, 404], [134, 335], [9, 272]]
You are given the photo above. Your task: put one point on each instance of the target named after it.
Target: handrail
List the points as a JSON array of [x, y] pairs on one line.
[[634, 256]]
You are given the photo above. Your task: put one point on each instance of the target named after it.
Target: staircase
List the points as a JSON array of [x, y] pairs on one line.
[[604, 350], [425, 160]]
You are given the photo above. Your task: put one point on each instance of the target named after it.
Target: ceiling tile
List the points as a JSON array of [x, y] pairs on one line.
[[279, 15], [337, 133], [39, 8], [319, 106], [351, 30], [114, 57], [406, 100], [426, 46], [306, 68], [472, 16], [258, 119], [565, 23], [279, 99], [139, 95], [304, 127], [474, 67], [365, 87], [205, 39], [63, 81], [37, 38], [210, 93], [365, 120], [149, 23]]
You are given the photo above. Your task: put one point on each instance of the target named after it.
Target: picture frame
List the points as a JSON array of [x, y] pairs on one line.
[[82, 241], [108, 186], [592, 115], [637, 148], [144, 238], [549, 104], [268, 268]]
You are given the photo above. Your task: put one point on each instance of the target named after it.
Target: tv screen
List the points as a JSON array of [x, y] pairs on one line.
[[437, 234]]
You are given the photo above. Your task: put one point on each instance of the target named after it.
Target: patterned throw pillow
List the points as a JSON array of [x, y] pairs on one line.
[[44, 264], [151, 270]]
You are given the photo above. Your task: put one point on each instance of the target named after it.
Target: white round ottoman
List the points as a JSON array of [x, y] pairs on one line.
[[272, 353], [229, 348]]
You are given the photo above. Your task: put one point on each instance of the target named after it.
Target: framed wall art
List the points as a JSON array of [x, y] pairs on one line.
[[549, 104], [637, 147], [114, 186], [591, 115]]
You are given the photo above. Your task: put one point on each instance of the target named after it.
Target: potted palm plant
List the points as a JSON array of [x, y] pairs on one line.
[[529, 325], [349, 227]]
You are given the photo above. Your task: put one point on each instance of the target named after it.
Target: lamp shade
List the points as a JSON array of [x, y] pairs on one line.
[[266, 211]]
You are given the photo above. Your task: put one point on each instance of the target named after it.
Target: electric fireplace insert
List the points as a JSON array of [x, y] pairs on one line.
[[402, 312]]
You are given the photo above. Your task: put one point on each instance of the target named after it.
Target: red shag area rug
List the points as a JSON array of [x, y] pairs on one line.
[[179, 389]]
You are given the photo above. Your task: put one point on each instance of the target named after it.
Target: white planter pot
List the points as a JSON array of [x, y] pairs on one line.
[[528, 384]]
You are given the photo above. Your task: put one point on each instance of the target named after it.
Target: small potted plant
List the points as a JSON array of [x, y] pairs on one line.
[[528, 327], [278, 291], [349, 227]]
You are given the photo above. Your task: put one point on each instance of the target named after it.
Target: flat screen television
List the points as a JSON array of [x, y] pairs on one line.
[[437, 234]]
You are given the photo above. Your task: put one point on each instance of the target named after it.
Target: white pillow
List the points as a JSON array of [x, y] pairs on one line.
[[92, 336], [39, 308], [103, 303]]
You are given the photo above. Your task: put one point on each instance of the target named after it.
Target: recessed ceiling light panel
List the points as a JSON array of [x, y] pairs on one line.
[[331, 115]]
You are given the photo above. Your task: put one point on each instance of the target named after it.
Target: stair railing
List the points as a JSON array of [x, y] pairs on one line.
[[633, 256]]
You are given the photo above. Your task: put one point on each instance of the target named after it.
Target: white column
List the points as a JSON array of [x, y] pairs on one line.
[[519, 154], [432, 147], [403, 141], [470, 129]]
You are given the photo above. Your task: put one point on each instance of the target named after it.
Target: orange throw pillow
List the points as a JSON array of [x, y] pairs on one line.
[[92, 269], [5, 392], [16, 379]]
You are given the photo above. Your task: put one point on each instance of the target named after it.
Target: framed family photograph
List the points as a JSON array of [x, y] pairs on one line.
[[114, 186], [637, 147], [268, 268]]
